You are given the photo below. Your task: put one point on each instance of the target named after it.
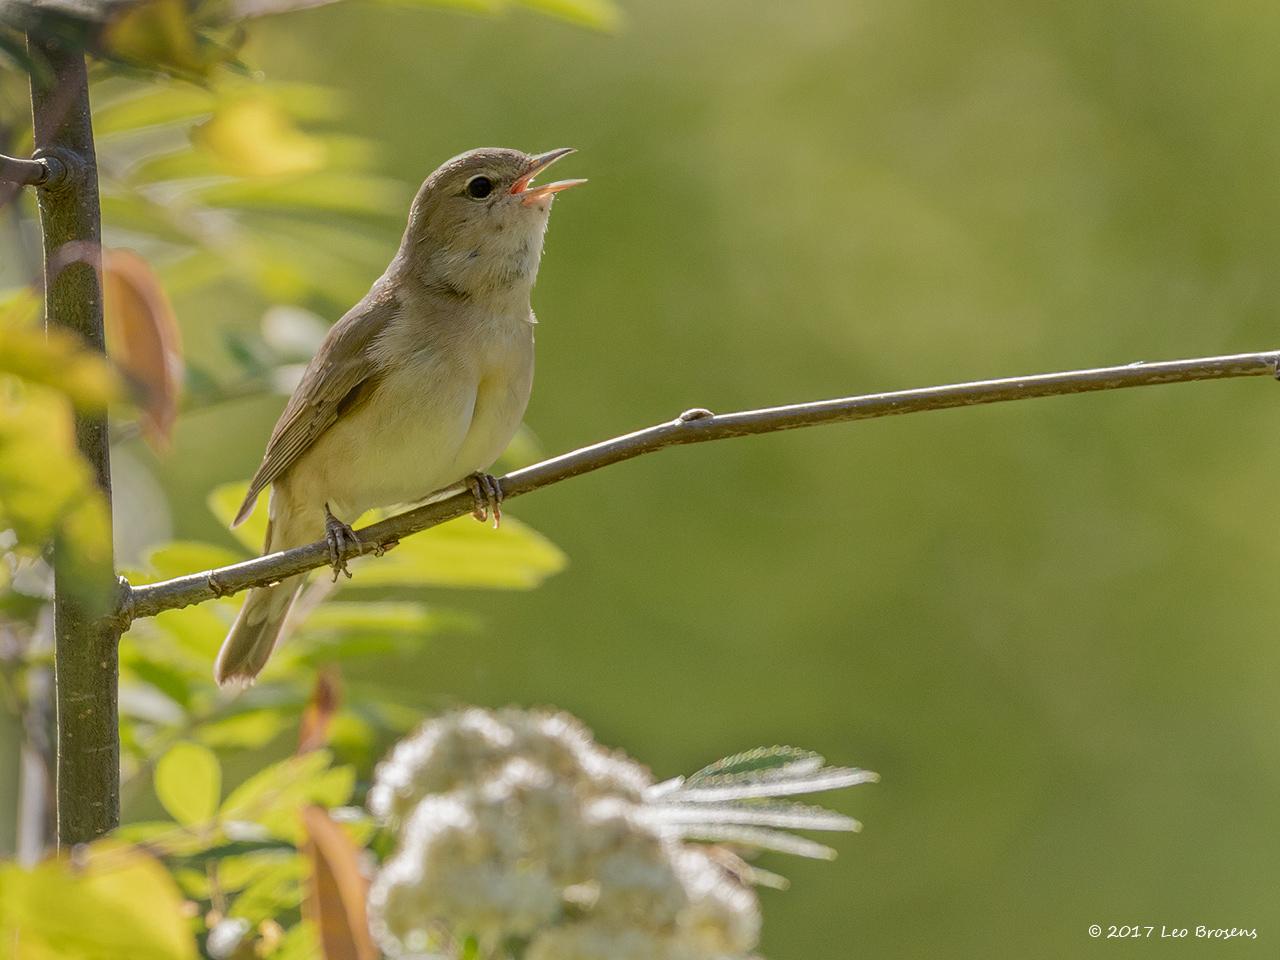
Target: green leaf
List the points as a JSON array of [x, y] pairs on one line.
[[470, 6], [463, 553], [13, 53], [248, 730], [161, 35], [353, 738], [163, 838], [272, 797], [188, 782], [692, 814], [41, 475], [525, 448], [139, 215], [198, 631], [181, 557], [277, 889], [755, 760], [184, 164], [162, 103], [460, 553], [597, 14], [300, 943], [143, 705], [54, 358], [19, 307], [116, 901], [194, 883], [338, 630], [172, 682], [47, 492], [237, 871], [765, 772], [320, 193], [412, 619], [225, 500], [305, 101], [760, 838], [252, 136], [292, 259]]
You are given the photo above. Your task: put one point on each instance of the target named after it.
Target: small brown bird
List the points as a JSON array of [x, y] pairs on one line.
[[421, 385]]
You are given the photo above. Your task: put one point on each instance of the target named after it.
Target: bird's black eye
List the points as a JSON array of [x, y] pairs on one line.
[[479, 187]]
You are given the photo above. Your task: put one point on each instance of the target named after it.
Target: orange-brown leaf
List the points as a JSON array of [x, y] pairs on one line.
[[143, 339], [326, 697], [338, 889]]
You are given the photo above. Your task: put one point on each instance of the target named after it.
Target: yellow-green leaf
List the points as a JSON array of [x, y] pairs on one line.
[[56, 358], [461, 553], [278, 889], [161, 35], [186, 556], [273, 798], [196, 630], [300, 943], [188, 781], [332, 192], [248, 730], [163, 102], [225, 500], [597, 14], [163, 838], [47, 491], [382, 617], [19, 307], [139, 214], [464, 553], [471, 6], [253, 137], [117, 901]]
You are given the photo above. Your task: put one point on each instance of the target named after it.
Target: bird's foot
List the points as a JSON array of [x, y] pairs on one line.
[[487, 493], [340, 538], [381, 548]]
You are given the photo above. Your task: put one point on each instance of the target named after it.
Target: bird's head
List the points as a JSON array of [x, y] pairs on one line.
[[478, 222]]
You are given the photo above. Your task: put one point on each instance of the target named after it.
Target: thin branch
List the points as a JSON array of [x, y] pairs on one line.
[[692, 426], [41, 172]]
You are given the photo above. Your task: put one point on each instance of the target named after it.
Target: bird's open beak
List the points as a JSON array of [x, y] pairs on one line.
[[528, 193]]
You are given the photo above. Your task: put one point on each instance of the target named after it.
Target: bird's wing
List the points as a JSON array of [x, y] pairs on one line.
[[342, 371]]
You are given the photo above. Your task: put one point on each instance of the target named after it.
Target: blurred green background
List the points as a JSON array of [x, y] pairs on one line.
[[1050, 626]]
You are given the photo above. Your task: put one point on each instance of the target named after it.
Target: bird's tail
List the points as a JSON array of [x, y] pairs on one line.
[[254, 634], [256, 630]]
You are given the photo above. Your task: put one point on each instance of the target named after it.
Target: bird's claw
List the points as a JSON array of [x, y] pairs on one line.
[[486, 491], [340, 538]]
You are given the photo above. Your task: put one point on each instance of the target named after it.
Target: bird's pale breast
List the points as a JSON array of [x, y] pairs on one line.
[[443, 412]]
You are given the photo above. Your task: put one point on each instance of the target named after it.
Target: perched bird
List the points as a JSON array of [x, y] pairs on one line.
[[418, 387]]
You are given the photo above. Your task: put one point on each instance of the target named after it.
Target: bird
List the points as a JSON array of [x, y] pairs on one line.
[[419, 387]]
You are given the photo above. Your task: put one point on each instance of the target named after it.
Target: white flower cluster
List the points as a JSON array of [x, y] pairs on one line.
[[518, 836]]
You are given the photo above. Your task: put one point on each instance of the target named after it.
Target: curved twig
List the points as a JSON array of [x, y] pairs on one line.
[[692, 426]]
